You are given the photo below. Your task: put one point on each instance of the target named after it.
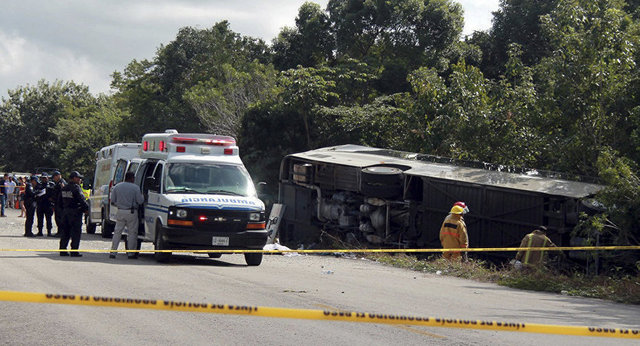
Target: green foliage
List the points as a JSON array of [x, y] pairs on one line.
[[622, 197], [220, 103], [397, 36], [78, 138], [583, 84], [517, 21], [309, 44], [27, 120], [153, 91]]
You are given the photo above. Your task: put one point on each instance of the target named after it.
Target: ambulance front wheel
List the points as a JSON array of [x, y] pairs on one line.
[[253, 259], [160, 244]]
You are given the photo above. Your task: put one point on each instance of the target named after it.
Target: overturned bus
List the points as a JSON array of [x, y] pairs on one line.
[[386, 198]]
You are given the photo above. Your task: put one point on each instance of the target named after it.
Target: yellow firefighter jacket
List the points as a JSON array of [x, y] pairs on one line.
[[533, 239], [453, 234]]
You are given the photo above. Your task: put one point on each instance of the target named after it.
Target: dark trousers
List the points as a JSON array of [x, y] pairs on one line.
[[44, 212], [58, 218], [71, 229], [28, 223]]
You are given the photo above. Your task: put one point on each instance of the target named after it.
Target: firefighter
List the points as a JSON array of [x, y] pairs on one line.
[[453, 233], [537, 238], [73, 206]]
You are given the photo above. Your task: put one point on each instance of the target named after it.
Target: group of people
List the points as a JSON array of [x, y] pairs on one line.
[[453, 235], [64, 201]]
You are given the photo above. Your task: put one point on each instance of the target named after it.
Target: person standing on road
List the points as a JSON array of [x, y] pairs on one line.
[[21, 188], [453, 233], [537, 238], [73, 205], [10, 187], [44, 210], [3, 195], [56, 199], [29, 202], [126, 196]]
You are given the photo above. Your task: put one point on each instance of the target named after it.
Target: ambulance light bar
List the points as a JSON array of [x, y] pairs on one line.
[[226, 142]]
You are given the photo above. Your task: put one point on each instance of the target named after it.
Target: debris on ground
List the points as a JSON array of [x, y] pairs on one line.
[[279, 247]]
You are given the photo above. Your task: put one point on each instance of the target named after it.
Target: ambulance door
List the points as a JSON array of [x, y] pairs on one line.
[[118, 177], [154, 210], [146, 170]]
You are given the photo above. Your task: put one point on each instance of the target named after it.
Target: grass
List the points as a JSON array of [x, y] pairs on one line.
[[622, 289]]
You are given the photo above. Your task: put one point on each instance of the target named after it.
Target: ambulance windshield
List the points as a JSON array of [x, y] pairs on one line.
[[215, 179]]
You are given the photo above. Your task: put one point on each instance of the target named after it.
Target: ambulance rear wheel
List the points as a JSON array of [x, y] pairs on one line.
[[253, 259], [91, 228], [160, 244]]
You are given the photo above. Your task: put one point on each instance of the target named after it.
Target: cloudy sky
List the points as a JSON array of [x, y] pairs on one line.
[[86, 40]]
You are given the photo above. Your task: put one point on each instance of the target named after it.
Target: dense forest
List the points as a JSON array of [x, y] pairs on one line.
[[553, 84]]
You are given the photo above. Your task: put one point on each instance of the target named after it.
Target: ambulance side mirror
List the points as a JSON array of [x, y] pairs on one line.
[[261, 187]]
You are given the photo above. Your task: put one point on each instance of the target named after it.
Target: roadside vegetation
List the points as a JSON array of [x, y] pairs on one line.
[[617, 287]]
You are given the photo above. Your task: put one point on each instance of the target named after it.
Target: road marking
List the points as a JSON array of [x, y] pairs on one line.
[[407, 328]]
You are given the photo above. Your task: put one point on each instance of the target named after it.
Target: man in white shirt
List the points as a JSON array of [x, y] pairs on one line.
[[10, 187], [126, 196]]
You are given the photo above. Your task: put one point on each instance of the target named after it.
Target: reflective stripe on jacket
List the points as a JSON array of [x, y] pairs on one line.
[[453, 233], [533, 239]]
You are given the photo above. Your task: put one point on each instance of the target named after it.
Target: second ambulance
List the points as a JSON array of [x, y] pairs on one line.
[[198, 195]]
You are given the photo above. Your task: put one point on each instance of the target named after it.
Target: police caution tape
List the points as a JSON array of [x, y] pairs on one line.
[[237, 251], [327, 315]]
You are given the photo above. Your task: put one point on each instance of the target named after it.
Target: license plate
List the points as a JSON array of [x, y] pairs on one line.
[[220, 241]]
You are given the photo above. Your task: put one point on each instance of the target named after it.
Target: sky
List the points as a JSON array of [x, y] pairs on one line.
[[87, 40]]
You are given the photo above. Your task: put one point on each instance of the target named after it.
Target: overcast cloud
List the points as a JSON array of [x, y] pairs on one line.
[[86, 40]]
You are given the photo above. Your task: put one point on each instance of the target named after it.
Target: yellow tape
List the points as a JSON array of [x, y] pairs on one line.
[[307, 314], [230, 251]]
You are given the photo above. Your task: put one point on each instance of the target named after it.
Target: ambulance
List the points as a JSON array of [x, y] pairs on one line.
[[198, 195], [108, 166]]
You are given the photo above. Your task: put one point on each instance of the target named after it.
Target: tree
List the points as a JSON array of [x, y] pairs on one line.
[[397, 36], [85, 129], [585, 85], [221, 103], [309, 44], [27, 118], [153, 91], [517, 21]]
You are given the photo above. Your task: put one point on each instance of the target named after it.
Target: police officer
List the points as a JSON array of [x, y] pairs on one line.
[[44, 209], [73, 205], [29, 205], [56, 199]]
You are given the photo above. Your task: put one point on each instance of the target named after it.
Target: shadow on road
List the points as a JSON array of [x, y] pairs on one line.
[[144, 259], [589, 314]]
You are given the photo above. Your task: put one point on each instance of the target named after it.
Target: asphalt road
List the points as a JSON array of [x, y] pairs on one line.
[[309, 282]]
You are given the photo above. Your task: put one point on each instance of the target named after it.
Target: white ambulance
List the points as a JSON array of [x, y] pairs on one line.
[[108, 168], [198, 195]]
